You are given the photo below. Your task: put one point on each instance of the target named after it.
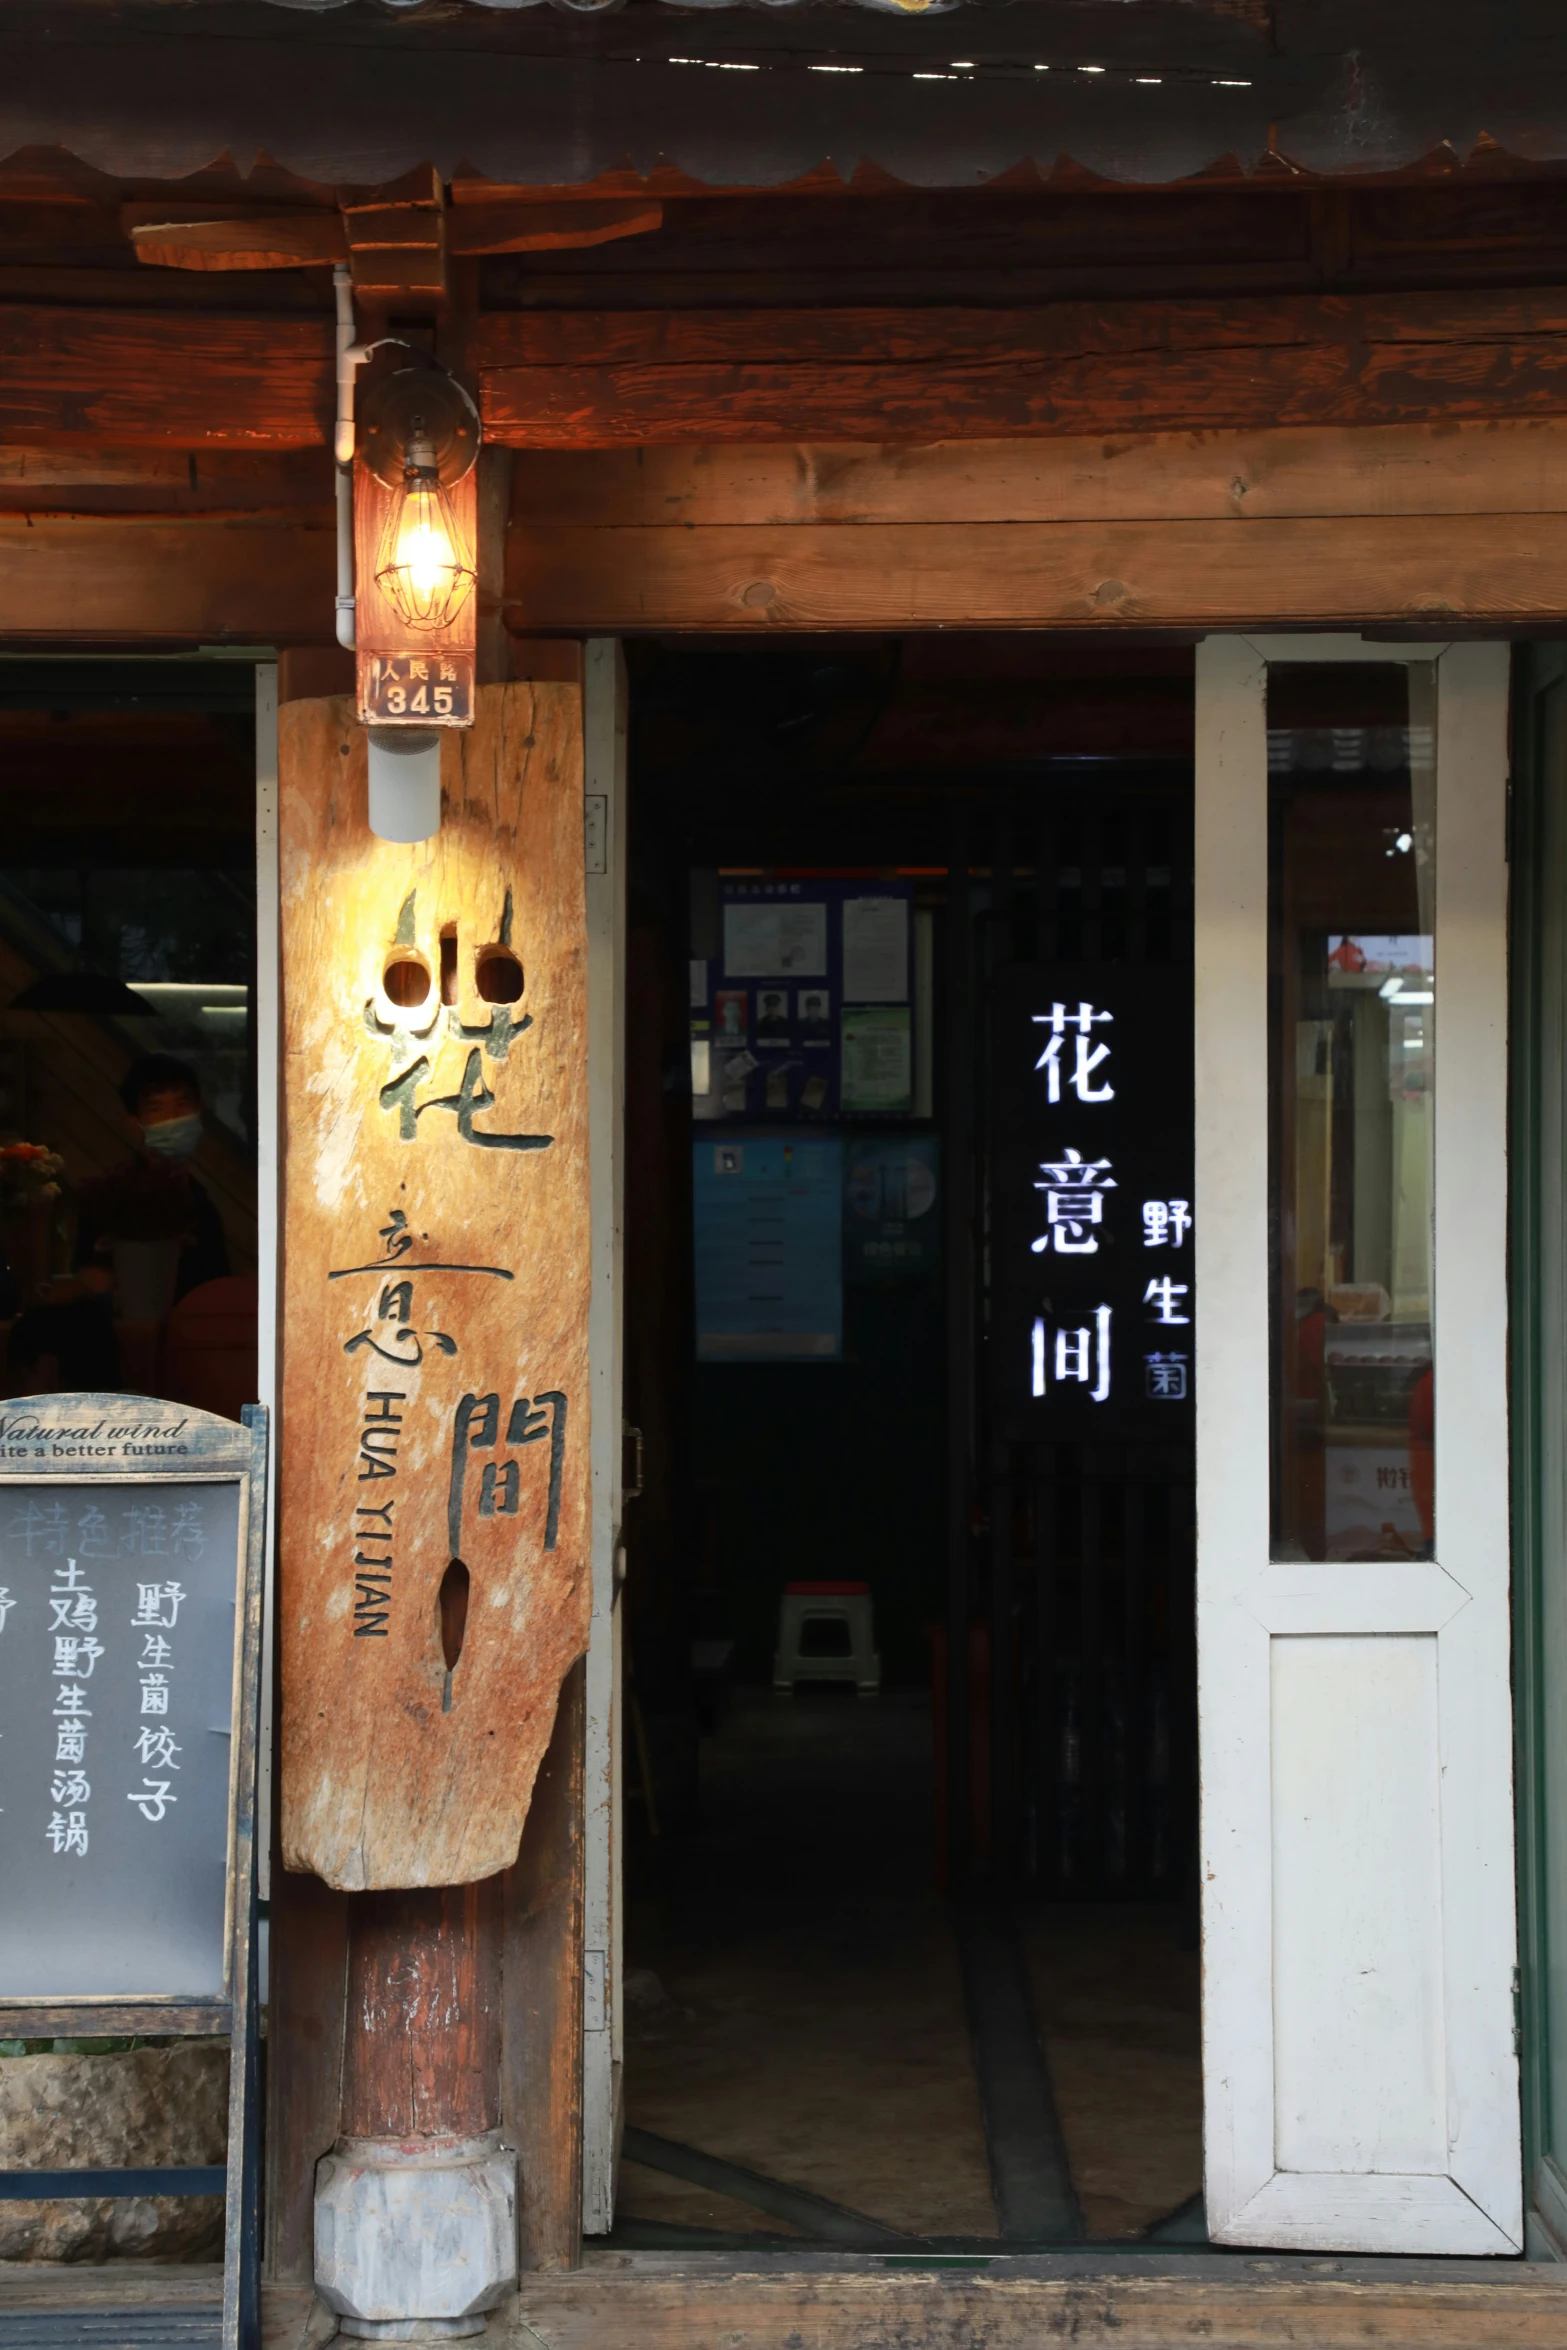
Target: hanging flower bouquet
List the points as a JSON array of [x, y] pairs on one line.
[[29, 1176]]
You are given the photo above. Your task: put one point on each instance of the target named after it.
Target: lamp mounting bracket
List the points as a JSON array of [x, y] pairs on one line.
[[422, 402]]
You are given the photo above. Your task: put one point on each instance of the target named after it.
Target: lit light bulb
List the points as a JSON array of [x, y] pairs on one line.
[[424, 568]]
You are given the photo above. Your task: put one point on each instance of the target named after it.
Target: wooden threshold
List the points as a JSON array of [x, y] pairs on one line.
[[1135, 2300]]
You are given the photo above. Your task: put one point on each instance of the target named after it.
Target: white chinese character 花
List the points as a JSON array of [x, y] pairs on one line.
[[1074, 1190], [152, 1598], [154, 1798], [67, 1831], [1086, 1055], [1166, 1222], [158, 1749], [1161, 1295], [1166, 1378], [1081, 1355]]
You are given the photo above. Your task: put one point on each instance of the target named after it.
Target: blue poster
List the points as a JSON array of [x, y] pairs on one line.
[[768, 1222]]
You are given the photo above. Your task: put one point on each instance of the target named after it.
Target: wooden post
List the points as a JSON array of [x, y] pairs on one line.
[[423, 2057]]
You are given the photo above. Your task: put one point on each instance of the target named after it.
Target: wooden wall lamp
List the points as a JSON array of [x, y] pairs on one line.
[[415, 522]]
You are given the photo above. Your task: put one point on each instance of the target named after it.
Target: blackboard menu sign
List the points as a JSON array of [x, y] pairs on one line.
[[130, 1640]]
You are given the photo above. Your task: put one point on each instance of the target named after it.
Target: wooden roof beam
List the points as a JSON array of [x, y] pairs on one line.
[[398, 245]]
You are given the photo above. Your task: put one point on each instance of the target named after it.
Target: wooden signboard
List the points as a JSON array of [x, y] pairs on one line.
[[130, 1642], [434, 1484]]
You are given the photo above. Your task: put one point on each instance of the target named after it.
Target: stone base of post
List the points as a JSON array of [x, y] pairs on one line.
[[416, 2239]]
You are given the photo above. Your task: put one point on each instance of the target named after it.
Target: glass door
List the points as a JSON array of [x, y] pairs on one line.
[[1358, 1911]]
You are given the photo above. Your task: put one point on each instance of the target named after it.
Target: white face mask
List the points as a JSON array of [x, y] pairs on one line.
[[174, 1138]]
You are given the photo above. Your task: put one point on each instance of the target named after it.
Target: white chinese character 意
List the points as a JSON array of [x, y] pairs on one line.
[[67, 1831], [1074, 1189], [1166, 1222], [1166, 1376], [1087, 1056], [69, 1787], [155, 1693], [73, 1654], [157, 1748], [154, 1798], [152, 1599], [1161, 1295]]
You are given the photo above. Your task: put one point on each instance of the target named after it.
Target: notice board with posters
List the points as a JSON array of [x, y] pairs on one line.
[[130, 1642], [805, 1014]]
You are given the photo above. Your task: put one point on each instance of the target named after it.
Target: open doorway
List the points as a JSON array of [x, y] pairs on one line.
[[911, 1917]]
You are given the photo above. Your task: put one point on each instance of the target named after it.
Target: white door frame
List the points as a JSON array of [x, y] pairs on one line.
[[604, 833], [1355, 1721]]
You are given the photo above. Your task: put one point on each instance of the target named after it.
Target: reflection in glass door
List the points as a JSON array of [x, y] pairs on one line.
[[1351, 978]]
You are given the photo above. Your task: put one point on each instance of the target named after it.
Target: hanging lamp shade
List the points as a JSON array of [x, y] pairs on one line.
[[424, 567], [93, 992]]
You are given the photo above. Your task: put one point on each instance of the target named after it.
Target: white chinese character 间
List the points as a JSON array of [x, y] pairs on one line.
[[1081, 1355], [1074, 1189], [1161, 1295], [158, 1749], [154, 1798], [152, 1599], [67, 1831], [73, 1654], [1086, 1055], [1166, 1378], [70, 1742], [155, 1693], [1166, 1222], [69, 1787]]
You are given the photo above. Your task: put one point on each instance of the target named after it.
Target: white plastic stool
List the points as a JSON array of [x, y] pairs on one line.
[[826, 1632]]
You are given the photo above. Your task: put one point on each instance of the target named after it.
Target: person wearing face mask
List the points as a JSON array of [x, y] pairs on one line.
[[151, 1194]]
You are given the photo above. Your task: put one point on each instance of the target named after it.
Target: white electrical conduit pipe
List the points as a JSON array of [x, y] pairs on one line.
[[350, 357]]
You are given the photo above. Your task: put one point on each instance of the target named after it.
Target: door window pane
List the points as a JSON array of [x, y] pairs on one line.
[[1352, 997]]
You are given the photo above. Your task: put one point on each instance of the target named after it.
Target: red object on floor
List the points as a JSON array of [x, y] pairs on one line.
[[827, 1590]]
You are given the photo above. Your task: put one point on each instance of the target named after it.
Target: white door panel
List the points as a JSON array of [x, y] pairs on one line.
[[1361, 2086], [604, 835]]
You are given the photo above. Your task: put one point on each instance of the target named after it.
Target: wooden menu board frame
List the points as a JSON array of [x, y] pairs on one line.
[[119, 1441]]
